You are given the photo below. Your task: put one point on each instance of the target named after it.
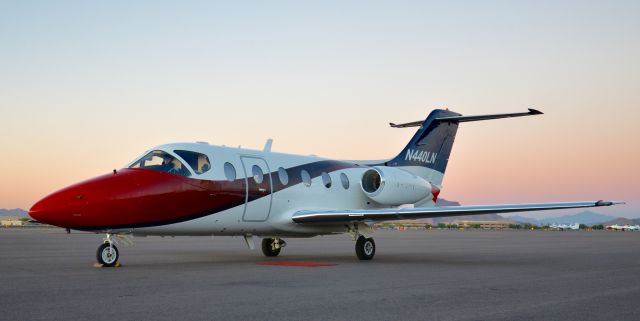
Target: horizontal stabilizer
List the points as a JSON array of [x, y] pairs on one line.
[[405, 125], [462, 119]]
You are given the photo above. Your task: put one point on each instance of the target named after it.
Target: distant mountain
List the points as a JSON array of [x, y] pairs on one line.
[[14, 212], [443, 202], [586, 217], [622, 221], [523, 219], [481, 217]]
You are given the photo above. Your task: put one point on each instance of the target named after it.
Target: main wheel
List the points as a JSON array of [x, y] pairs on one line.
[[365, 248], [268, 248], [107, 255]]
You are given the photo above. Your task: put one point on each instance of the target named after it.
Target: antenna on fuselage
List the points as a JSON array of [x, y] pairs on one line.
[[267, 145]]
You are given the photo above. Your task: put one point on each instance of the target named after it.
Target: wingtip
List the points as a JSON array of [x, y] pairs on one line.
[[609, 203], [535, 112]]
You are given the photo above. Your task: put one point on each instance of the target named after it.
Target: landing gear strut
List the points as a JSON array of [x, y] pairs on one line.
[[108, 253], [272, 246]]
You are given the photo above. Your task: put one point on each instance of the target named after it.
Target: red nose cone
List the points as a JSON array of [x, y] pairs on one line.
[[134, 198], [36, 212], [61, 207]]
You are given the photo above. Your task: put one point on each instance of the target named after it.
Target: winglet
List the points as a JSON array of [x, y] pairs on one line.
[[608, 203]]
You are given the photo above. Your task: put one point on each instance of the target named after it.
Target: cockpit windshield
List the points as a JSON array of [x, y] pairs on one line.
[[158, 160], [199, 162]]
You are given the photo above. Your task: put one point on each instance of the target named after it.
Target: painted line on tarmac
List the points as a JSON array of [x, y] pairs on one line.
[[303, 264]]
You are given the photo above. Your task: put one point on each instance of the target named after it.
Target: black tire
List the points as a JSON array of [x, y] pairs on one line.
[[105, 258], [267, 249], [365, 248]]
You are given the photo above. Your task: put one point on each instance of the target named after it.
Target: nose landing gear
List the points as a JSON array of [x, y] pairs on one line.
[[108, 253]]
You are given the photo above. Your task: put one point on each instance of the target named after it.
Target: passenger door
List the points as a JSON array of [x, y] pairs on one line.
[[258, 189]]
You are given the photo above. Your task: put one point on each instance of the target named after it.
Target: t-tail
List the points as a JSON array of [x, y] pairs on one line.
[[427, 154]]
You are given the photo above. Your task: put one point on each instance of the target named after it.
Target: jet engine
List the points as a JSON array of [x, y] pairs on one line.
[[393, 186]]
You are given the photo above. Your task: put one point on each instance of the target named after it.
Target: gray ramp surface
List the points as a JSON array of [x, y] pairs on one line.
[[46, 274]]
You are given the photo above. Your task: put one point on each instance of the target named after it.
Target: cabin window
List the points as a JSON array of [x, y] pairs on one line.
[[283, 176], [306, 178], [161, 161], [258, 176], [229, 171], [326, 180], [199, 162], [344, 180]]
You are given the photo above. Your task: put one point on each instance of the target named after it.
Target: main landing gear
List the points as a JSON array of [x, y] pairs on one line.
[[365, 246], [108, 253], [272, 246]]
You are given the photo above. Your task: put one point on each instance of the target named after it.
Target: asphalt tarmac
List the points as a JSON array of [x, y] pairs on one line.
[[46, 274]]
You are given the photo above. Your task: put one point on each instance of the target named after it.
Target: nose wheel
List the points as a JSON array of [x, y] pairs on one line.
[[107, 254], [365, 248]]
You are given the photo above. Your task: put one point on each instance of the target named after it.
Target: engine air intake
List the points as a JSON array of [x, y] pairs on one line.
[[371, 181], [394, 186]]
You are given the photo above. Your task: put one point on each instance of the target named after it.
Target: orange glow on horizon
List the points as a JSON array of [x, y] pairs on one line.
[[80, 97]]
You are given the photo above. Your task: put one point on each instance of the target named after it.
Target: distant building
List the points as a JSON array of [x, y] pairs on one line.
[[483, 224], [404, 224], [411, 224], [9, 221]]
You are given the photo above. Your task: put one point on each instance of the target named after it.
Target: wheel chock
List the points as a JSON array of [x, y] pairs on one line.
[[98, 265]]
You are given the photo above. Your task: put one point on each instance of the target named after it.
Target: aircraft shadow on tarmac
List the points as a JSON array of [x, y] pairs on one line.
[[199, 258]]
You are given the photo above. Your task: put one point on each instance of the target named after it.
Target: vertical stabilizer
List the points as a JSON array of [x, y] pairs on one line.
[[427, 153]]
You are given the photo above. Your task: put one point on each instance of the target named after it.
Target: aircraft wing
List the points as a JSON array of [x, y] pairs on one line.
[[389, 214]]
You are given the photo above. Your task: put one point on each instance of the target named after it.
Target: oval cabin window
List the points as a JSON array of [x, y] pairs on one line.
[[258, 176], [229, 171], [283, 176], [326, 180], [306, 178]]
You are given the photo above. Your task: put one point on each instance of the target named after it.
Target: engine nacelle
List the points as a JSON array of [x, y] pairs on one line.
[[393, 186]]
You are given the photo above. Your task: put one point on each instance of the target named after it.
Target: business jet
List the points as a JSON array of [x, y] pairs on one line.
[[565, 227], [615, 227], [201, 189], [625, 227]]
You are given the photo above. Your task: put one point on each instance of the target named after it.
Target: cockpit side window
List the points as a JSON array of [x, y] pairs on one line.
[[199, 162], [158, 160]]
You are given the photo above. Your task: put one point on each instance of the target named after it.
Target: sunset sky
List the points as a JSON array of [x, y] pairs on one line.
[[87, 86]]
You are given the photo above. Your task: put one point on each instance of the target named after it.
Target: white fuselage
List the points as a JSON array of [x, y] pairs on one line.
[[271, 215]]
